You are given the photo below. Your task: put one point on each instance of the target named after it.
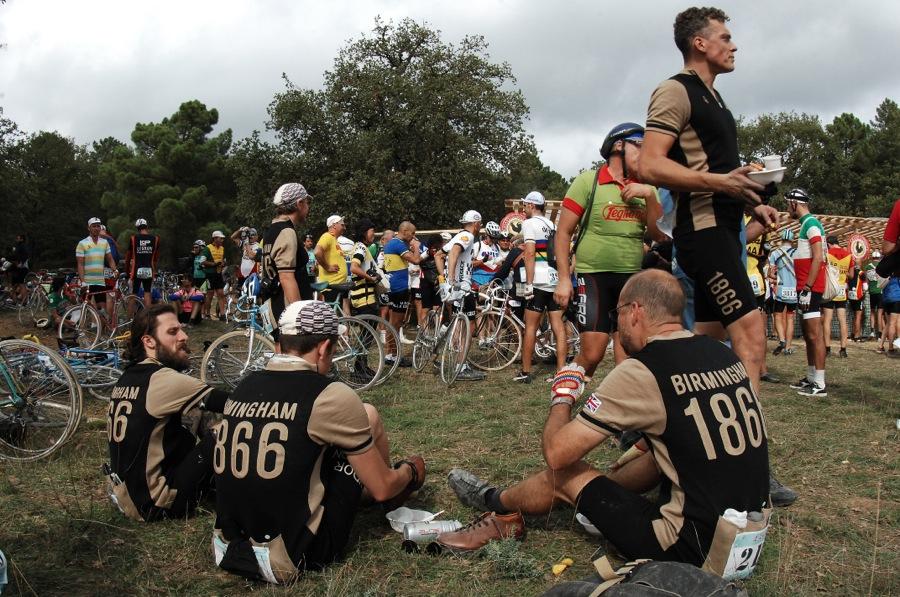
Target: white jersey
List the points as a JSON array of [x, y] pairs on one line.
[[415, 272], [466, 240], [537, 230], [248, 263], [488, 254]]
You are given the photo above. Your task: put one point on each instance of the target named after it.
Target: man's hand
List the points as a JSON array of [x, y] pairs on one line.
[[737, 184], [766, 215], [568, 385], [804, 298], [636, 190], [333, 268], [563, 292], [528, 292], [417, 478], [444, 290]]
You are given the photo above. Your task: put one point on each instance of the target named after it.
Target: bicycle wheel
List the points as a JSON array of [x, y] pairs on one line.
[[545, 344], [455, 349], [128, 304], [379, 324], [497, 342], [358, 357], [40, 401], [423, 347], [82, 324], [233, 355], [98, 380], [39, 305]]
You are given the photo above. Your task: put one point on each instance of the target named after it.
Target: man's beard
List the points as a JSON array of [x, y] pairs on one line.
[[172, 359]]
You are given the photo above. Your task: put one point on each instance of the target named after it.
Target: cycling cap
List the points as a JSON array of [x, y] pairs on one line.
[[787, 234], [797, 195], [308, 317], [93, 221], [199, 243], [290, 192], [535, 198], [470, 217], [218, 234], [626, 130], [140, 223], [332, 220], [493, 229], [252, 232]]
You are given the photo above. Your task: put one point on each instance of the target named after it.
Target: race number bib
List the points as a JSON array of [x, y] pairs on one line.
[[265, 318], [107, 272], [544, 275], [841, 294], [744, 554], [756, 283], [144, 273], [789, 294]]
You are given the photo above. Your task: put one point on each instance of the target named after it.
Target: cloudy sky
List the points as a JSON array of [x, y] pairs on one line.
[[93, 68]]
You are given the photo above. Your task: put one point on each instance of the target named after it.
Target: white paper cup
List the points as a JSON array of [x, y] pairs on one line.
[[771, 162]]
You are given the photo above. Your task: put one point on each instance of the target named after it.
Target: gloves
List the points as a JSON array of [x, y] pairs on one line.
[[444, 290], [803, 298], [465, 286], [568, 385], [528, 292]]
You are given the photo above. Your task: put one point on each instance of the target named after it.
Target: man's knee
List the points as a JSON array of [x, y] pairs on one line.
[[568, 482], [375, 422]]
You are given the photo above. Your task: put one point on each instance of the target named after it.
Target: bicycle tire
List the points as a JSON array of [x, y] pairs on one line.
[[497, 342], [49, 403], [375, 321], [358, 358], [423, 347], [455, 348], [85, 326], [231, 357], [125, 304]]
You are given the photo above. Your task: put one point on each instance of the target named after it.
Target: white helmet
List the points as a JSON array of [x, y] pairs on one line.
[[140, 223], [470, 217], [493, 229], [876, 254]]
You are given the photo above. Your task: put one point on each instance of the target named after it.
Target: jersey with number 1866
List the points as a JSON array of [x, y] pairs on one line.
[[692, 399], [278, 425]]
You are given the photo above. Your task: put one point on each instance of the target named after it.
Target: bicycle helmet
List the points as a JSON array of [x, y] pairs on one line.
[[626, 130], [199, 243], [798, 195], [493, 229], [140, 223], [787, 234], [876, 254], [252, 232]]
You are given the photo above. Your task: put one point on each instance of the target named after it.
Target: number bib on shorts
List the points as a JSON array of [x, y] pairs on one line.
[[265, 318], [745, 552], [144, 273]]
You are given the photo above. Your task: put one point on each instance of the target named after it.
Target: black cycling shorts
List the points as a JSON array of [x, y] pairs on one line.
[[782, 307], [855, 305], [814, 309], [712, 258], [399, 301], [597, 294], [17, 274], [874, 301], [429, 296], [330, 295], [144, 285], [761, 302], [468, 307], [98, 293], [215, 281], [626, 520], [191, 478], [891, 308], [543, 301], [834, 305]]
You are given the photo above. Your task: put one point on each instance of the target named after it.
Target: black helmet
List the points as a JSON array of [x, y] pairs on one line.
[[620, 131], [797, 194]]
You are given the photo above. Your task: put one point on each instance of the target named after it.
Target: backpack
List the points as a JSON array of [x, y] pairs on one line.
[[832, 283]]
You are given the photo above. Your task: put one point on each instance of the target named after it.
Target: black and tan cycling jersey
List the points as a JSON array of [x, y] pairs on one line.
[[147, 439], [690, 396], [705, 140], [271, 459]]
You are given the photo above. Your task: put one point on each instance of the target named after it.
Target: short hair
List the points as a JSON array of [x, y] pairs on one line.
[[145, 323], [658, 293], [285, 210], [405, 225], [301, 344], [692, 21]]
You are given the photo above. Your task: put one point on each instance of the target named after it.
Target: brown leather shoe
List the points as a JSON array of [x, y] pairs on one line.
[[485, 528]]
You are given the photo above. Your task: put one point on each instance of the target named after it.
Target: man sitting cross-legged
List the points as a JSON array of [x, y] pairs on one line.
[[690, 397]]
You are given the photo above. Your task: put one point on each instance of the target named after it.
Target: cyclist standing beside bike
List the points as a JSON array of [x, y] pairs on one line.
[[540, 281], [91, 255], [399, 252], [140, 262], [213, 265], [610, 209], [364, 294]]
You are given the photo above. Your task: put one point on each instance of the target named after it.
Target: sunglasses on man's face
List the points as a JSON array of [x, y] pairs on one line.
[[614, 316]]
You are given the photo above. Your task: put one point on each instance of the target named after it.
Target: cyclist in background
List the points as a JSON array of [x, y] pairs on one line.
[[91, 255], [140, 263]]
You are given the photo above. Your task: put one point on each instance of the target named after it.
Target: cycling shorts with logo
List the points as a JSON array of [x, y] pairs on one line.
[[712, 259], [542, 301], [598, 294]]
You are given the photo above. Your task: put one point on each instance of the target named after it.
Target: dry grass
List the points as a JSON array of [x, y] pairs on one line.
[[840, 453]]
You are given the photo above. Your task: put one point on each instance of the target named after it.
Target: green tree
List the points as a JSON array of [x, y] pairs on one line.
[[880, 185], [406, 126], [176, 176]]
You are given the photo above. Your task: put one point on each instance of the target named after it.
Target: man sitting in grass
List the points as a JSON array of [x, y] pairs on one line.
[[691, 399]]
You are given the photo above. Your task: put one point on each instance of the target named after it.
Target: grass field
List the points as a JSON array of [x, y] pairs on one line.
[[841, 454]]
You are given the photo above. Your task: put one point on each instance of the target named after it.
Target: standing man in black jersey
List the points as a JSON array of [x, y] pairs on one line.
[[140, 263], [690, 147], [691, 398], [296, 453], [157, 467], [283, 257]]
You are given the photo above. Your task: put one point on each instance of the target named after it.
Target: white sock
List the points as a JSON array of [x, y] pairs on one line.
[[389, 357], [811, 372], [820, 377]]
